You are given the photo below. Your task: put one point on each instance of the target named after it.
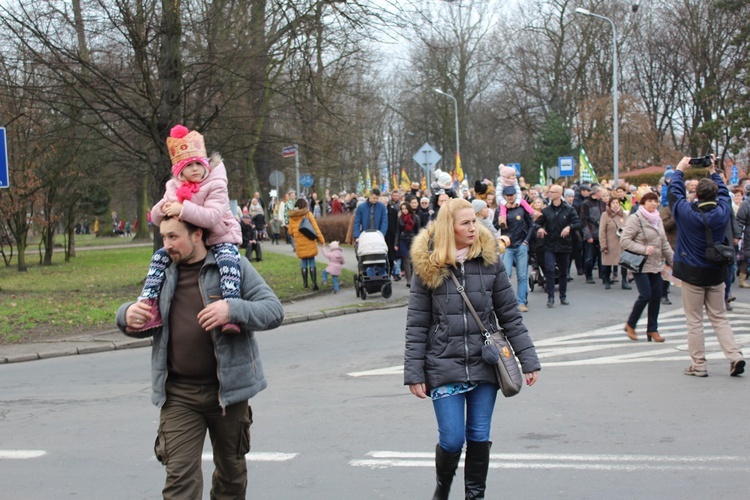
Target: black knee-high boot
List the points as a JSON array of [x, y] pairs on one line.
[[304, 277], [606, 277], [445, 468], [314, 276], [475, 468]]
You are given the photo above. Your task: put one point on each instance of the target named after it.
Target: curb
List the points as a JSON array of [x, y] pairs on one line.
[[94, 343]]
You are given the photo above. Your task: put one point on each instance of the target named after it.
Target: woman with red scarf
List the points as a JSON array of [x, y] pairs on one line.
[[407, 228]]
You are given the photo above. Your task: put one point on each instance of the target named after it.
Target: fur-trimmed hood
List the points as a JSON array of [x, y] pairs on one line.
[[433, 275]]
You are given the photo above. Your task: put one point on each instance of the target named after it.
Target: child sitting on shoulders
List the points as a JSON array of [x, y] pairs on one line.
[[508, 178], [197, 194]]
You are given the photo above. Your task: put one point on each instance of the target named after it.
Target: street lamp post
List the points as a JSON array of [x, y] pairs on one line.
[[615, 133], [455, 109]]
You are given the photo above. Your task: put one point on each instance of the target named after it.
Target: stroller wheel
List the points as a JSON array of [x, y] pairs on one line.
[[531, 283], [363, 293], [386, 291], [356, 286]]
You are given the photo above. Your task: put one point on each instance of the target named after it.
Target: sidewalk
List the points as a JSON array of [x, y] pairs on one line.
[[314, 306]]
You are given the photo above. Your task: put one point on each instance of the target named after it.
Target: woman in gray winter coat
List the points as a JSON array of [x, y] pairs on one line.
[[443, 359]]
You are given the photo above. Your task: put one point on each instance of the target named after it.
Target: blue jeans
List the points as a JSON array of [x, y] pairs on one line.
[[649, 294], [334, 279], [454, 428], [729, 280], [519, 256], [308, 262]]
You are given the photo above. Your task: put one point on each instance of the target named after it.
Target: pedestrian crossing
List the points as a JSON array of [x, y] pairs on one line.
[[609, 345], [548, 461]]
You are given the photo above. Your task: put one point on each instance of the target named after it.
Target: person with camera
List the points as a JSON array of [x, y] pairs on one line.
[[702, 265]]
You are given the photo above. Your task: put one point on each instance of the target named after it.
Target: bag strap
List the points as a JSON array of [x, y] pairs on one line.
[[643, 230], [462, 291], [709, 236]]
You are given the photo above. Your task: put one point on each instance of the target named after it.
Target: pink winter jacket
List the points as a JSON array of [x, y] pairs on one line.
[[208, 208], [335, 258]]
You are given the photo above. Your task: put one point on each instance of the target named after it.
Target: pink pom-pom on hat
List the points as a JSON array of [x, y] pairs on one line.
[[179, 131]]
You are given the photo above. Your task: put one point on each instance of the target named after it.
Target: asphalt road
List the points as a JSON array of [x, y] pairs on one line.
[[609, 417]]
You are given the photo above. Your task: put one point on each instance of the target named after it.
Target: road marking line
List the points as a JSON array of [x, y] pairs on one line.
[[258, 457], [630, 467], [21, 454], [386, 459]]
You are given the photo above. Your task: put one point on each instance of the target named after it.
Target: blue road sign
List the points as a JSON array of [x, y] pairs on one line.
[[517, 166], [566, 165], [735, 177], [306, 180], [4, 177]]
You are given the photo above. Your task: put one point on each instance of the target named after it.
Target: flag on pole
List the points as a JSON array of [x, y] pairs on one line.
[[394, 177], [542, 175], [375, 180], [459, 170], [405, 183], [423, 184], [368, 180], [587, 173], [360, 184]]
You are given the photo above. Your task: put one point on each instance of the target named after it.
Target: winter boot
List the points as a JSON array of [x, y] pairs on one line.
[[475, 468], [743, 282], [314, 276], [625, 284], [445, 467], [304, 277]]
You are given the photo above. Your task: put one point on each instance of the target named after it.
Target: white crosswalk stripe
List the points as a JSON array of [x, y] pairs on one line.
[[609, 345], [21, 454], [388, 459]]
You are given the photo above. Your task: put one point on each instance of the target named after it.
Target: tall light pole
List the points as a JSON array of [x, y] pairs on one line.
[[455, 109], [615, 133]]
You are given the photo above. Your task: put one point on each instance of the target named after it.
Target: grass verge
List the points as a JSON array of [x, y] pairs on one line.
[[83, 295]]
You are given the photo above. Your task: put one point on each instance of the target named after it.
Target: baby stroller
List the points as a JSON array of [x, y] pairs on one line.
[[373, 271]]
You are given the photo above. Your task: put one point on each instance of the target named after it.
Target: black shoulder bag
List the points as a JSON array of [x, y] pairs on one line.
[[717, 253]]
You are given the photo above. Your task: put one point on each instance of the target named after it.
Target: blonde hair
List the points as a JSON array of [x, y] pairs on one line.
[[444, 238]]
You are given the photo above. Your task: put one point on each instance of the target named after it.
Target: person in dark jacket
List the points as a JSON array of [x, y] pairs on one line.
[[250, 238], [734, 234], [407, 227], [555, 225], [703, 281], [743, 218], [520, 228], [577, 253], [443, 353], [424, 211], [591, 213]]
